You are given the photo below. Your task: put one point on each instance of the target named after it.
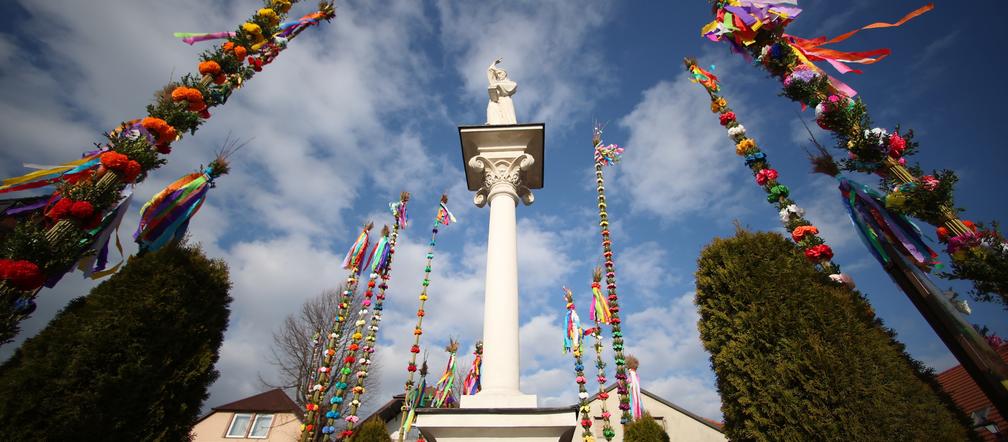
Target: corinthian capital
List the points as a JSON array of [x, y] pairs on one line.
[[502, 176]]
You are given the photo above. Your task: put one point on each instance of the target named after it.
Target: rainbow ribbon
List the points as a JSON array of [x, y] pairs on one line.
[[45, 177], [166, 216]]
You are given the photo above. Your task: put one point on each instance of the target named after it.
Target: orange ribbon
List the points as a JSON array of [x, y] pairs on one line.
[[813, 50]]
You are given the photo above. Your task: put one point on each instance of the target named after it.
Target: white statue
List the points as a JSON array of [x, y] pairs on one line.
[[500, 109]]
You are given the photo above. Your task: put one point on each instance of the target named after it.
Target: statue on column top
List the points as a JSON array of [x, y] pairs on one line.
[[500, 109]]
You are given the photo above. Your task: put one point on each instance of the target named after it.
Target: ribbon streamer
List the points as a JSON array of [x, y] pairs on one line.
[[442, 391], [444, 215], [358, 251], [166, 216], [472, 385], [45, 177], [193, 37], [874, 223], [96, 256]]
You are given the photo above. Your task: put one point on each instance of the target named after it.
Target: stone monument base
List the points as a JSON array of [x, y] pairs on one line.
[[491, 424]]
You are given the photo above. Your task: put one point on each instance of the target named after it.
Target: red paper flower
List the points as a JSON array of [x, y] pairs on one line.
[[256, 63], [349, 359], [354, 347], [896, 145], [943, 234], [929, 183], [819, 253], [411, 368], [969, 224], [765, 175], [22, 274], [60, 210], [131, 171], [164, 149], [727, 117], [415, 349], [204, 114], [81, 209], [240, 52]]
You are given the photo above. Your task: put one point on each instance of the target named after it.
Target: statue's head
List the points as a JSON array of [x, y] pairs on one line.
[[500, 74]]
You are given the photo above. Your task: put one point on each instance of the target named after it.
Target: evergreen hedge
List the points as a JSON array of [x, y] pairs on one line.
[[800, 358], [644, 429], [372, 430], [132, 361]]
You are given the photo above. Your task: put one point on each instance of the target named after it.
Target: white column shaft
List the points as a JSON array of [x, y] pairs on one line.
[[500, 311]]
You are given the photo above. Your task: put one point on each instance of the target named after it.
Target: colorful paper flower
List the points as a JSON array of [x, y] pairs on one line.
[[22, 274], [269, 16], [801, 74], [765, 175], [800, 232], [791, 209], [745, 146], [929, 183], [716, 105], [819, 253], [843, 278], [777, 192], [896, 145], [210, 68], [727, 117]]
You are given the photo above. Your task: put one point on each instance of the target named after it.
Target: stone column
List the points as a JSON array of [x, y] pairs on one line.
[[502, 188]]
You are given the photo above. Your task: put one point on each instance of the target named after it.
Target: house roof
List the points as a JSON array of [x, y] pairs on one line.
[[274, 400], [708, 422], [967, 395]]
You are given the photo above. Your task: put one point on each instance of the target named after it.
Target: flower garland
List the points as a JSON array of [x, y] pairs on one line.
[[600, 315], [574, 343], [609, 155], [354, 262], [756, 29], [803, 233], [443, 217], [471, 385], [381, 263], [131, 152]]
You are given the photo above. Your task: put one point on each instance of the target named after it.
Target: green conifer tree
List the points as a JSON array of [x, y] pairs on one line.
[[800, 358], [132, 361], [644, 429], [373, 430]]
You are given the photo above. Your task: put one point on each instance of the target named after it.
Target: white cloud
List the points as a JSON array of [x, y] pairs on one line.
[[545, 46], [682, 160]]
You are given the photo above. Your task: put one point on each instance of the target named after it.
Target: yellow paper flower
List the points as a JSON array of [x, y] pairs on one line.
[[281, 5], [716, 105], [269, 15], [252, 28], [744, 146], [423, 297], [357, 336]]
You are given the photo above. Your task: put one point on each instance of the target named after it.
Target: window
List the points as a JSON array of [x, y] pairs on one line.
[[239, 425], [261, 426]]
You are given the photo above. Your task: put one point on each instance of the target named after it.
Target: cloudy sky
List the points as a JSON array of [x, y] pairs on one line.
[[366, 106]]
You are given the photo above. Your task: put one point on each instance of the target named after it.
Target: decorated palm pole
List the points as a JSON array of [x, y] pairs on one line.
[[443, 217], [354, 262], [379, 259], [758, 29], [890, 237], [381, 264], [633, 381], [92, 189], [443, 396], [471, 384], [600, 314], [573, 342], [607, 155], [804, 234]]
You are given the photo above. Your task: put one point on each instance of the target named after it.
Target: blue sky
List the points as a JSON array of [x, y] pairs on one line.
[[368, 105]]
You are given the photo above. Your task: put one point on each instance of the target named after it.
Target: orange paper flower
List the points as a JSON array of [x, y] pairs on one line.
[[210, 68], [801, 232]]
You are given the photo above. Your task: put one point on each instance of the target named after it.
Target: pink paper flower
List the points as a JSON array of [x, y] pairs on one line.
[[765, 175], [929, 183]]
